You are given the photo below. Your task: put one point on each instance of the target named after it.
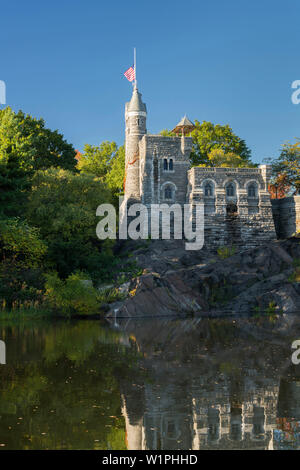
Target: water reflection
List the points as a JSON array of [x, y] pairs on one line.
[[214, 385], [149, 384]]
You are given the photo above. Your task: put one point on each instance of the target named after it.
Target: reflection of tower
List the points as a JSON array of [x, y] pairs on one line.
[[236, 424], [133, 406], [258, 422], [287, 434], [289, 399], [134, 431]]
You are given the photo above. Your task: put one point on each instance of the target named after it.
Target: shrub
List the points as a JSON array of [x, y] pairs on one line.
[[21, 258], [20, 243], [295, 277], [225, 251], [71, 296]]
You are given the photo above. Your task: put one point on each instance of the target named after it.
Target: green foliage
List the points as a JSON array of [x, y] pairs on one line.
[[295, 276], [63, 205], [225, 251], [288, 164], [26, 146], [208, 138], [167, 133], [106, 162], [271, 308], [97, 160], [14, 184], [218, 158], [35, 146], [115, 176], [22, 253], [20, 288], [71, 296], [20, 243]]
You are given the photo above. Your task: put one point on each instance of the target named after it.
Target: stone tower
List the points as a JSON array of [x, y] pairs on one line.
[[135, 129]]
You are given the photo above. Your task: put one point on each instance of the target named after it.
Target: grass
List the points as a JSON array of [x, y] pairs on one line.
[[295, 277], [225, 251], [271, 311], [24, 314]]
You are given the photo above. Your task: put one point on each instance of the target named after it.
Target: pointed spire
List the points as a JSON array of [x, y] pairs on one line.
[[136, 103]]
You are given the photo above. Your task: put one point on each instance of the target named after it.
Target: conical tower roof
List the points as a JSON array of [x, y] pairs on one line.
[[136, 104]]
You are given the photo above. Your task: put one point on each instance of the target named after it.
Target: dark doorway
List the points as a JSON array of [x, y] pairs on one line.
[[231, 209]]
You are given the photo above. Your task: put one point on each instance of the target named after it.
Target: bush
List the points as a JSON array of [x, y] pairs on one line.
[[21, 243], [71, 296], [225, 251], [21, 258], [20, 288]]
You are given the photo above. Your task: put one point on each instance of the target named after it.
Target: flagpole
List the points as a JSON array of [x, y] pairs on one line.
[[134, 59]]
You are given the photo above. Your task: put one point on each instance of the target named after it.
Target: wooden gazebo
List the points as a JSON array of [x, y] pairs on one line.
[[184, 127]]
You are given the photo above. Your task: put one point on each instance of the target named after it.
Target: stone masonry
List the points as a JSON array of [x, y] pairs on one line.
[[237, 204], [286, 213]]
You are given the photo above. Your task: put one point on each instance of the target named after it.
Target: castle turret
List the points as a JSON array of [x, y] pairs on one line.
[[135, 119]]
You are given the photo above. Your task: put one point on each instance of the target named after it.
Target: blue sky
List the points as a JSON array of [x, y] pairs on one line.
[[223, 61]]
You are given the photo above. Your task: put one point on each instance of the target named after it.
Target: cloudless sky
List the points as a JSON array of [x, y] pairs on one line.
[[222, 61]]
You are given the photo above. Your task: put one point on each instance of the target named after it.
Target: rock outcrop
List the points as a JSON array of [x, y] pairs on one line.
[[263, 280]]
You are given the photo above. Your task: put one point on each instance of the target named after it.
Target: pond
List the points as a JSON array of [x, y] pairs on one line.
[[149, 384]]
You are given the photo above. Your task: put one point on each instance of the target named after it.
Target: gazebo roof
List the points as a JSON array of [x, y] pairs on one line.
[[185, 125]]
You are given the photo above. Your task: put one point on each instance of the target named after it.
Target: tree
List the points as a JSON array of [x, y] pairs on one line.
[[115, 176], [33, 145], [208, 137], [14, 183], [107, 162], [63, 206], [280, 187], [287, 166], [22, 254], [20, 243], [25, 147], [97, 160], [218, 158]]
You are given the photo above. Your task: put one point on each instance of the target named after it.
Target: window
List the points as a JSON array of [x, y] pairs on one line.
[[230, 190], [168, 192], [252, 190], [208, 190], [168, 165]]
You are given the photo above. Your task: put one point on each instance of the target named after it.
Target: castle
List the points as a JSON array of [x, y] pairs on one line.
[[237, 206]]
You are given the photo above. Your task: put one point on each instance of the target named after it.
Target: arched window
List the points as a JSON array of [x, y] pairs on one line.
[[171, 164], [168, 192], [230, 190], [252, 190], [208, 190], [165, 164]]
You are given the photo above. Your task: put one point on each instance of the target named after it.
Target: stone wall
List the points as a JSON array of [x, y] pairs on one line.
[[250, 223], [154, 150], [286, 213]]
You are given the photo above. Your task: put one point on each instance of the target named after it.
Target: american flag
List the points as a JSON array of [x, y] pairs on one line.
[[130, 74]]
